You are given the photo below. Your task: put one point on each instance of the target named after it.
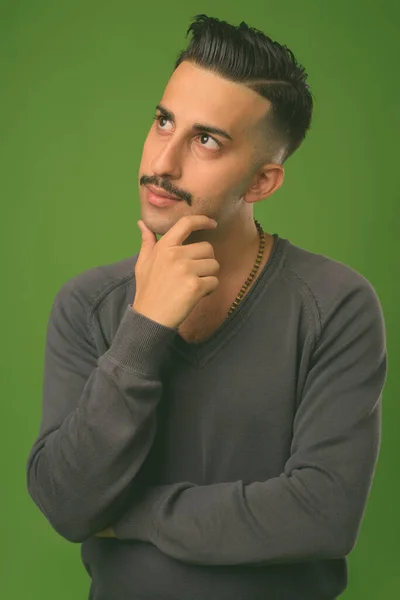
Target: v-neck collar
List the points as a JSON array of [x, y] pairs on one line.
[[199, 353]]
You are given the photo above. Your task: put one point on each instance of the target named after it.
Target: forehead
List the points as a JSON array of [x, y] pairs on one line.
[[197, 94]]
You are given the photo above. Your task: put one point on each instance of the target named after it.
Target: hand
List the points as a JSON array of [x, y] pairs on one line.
[[106, 533], [171, 278]]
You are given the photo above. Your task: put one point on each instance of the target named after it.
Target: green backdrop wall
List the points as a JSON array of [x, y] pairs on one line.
[[79, 81]]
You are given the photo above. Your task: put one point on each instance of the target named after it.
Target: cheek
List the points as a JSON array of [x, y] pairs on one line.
[[222, 179]]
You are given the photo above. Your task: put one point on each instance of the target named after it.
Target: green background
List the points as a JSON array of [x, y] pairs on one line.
[[79, 81]]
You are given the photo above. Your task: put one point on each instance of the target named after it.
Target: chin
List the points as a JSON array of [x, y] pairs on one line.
[[156, 228], [160, 224]]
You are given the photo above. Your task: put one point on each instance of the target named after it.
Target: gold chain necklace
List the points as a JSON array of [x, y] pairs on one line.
[[254, 270]]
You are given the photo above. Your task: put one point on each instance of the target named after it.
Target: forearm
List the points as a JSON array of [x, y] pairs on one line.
[[80, 473], [230, 523]]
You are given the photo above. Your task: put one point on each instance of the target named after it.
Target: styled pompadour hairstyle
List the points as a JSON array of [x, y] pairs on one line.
[[246, 55]]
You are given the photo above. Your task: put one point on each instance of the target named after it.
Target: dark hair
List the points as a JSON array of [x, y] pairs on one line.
[[246, 55]]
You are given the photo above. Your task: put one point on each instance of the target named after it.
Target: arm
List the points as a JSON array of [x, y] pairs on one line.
[[313, 510], [98, 421]]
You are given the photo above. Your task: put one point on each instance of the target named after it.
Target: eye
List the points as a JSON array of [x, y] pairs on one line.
[[158, 118]]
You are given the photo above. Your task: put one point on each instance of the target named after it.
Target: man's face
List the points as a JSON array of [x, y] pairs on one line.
[[208, 172]]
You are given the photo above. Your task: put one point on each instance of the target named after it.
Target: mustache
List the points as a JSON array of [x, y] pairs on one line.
[[144, 180]]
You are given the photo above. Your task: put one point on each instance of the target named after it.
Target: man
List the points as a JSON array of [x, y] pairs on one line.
[[211, 406]]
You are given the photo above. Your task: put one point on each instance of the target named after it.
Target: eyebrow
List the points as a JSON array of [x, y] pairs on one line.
[[196, 126]]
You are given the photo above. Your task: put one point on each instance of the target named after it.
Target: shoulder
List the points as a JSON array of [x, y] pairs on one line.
[[83, 294], [329, 286]]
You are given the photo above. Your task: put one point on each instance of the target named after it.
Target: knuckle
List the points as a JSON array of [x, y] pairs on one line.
[[195, 285], [173, 252], [184, 267]]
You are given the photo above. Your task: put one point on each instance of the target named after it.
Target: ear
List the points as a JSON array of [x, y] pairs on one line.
[[265, 182]]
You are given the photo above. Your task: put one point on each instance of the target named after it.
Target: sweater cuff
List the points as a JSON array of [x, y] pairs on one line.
[[138, 522], [140, 344]]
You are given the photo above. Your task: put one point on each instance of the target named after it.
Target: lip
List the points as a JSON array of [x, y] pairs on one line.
[[159, 200], [160, 192]]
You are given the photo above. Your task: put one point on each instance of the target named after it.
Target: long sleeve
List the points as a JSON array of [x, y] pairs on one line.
[[98, 418], [314, 509]]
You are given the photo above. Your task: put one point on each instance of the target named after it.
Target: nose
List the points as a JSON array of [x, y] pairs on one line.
[[167, 162]]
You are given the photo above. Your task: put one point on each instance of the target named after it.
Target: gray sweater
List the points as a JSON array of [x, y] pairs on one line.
[[237, 468]]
